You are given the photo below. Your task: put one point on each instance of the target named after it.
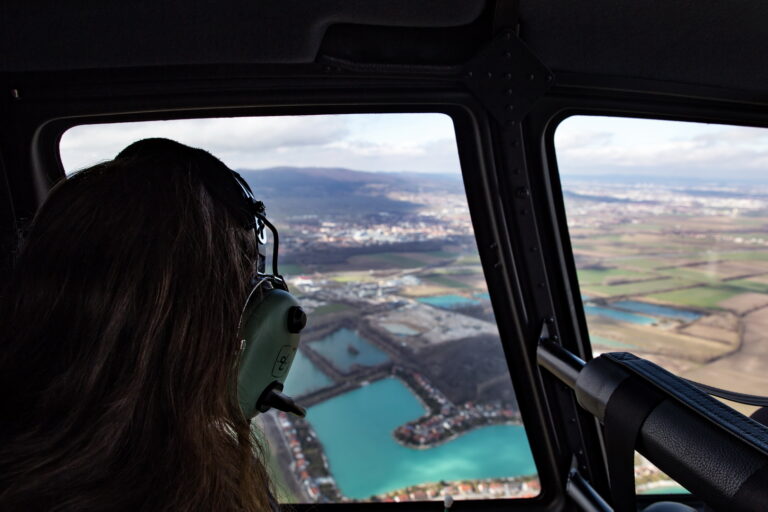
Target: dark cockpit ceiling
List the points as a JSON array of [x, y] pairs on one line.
[[703, 42]]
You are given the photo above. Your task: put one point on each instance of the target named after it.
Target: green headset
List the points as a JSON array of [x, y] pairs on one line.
[[270, 324]]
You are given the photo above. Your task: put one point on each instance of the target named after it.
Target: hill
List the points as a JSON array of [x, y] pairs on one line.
[[333, 192]]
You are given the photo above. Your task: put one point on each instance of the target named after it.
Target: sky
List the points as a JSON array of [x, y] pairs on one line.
[[593, 145], [585, 145], [366, 142]]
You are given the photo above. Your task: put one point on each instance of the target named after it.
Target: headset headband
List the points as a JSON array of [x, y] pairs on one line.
[[258, 211]]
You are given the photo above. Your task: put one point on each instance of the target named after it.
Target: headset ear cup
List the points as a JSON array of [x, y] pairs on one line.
[[270, 346]]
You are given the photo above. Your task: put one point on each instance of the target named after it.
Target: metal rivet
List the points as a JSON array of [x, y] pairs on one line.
[[508, 55], [508, 76], [550, 320], [509, 92], [510, 107], [15, 94], [522, 192], [469, 74], [541, 285], [531, 76], [497, 264], [534, 249], [490, 75], [493, 245]]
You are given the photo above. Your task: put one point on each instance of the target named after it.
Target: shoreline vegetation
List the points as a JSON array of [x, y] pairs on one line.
[[445, 421]]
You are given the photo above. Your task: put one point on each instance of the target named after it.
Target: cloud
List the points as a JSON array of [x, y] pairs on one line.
[[717, 153], [572, 139], [234, 140], [369, 142]]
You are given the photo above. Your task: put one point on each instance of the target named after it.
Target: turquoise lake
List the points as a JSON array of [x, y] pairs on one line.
[[335, 347], [667, 489], [448, 301], [619, 315], [304, 377], [656, 310], [356, 431], [599, 340]]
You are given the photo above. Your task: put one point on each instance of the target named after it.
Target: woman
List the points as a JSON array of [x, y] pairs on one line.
[[119, 359]]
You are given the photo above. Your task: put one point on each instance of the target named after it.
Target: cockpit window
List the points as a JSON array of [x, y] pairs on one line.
[[669, 227], [400, 366]]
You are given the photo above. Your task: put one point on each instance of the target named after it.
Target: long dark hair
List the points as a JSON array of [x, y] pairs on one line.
[[119, 343]]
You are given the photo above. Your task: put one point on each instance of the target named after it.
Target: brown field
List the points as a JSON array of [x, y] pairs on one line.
[[760, 279], [731, 269], [727, 336], [662, 342], [674, 365], [744, 370], [471, 280], [745, 302]]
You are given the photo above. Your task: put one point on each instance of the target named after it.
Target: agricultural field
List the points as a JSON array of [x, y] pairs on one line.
[[688, 290]]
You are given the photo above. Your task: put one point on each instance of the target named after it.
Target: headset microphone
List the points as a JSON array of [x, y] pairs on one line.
[[269, 326]]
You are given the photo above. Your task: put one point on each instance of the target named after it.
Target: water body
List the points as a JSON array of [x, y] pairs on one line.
[[605, 342], [619, 315], [356, 431], [666, 489], [448, 301], [399, 329], [305, 377], [483, 296], [336, 348], [656, 310]]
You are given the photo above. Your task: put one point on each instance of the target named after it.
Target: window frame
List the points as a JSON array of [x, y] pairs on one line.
[[582, 99], [472, 128]]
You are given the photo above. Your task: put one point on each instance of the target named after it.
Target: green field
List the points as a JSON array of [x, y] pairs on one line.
[[468, 259], [442, 280], [761, 255], [442, 254], [598, 276], [643, 263], [748, 286], [641, 287], [362, 276], [701, 296], [702, 275], [397, 260]]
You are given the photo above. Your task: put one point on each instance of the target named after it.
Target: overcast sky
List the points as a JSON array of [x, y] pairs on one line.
[[610, 145], [426, 143], [368, 142]]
